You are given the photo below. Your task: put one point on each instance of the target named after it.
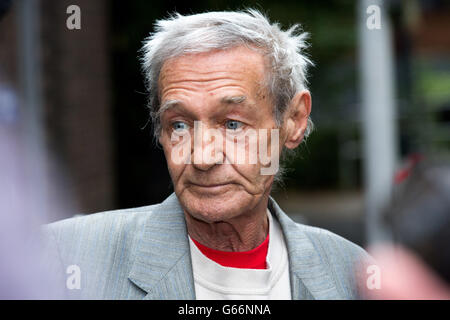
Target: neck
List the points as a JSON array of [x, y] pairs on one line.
[[241, 233]]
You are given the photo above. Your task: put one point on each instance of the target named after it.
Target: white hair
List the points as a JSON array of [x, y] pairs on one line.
[[180, 35]]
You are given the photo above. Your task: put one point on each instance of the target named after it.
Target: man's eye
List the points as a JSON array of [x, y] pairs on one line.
[[180, 126], [233, 124]]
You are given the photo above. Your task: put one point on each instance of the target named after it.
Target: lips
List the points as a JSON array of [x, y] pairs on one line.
[[211, 188], [212, 185]]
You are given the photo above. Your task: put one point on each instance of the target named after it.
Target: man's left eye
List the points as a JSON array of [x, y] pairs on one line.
[[233, 124]]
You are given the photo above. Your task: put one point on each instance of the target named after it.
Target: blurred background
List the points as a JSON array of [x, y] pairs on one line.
[[79, 95]]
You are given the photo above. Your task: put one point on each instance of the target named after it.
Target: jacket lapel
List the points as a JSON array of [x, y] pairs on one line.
[[309, 277], [162, 265]]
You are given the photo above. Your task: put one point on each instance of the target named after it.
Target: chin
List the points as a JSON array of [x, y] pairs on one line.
[[216, 206]]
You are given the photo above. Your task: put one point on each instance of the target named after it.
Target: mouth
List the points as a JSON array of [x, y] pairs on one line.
[[209, 185], [211, 188]]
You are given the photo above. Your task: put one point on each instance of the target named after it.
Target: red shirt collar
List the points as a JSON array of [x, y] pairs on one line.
[[252, 259]]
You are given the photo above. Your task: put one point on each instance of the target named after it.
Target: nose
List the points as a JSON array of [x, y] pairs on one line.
[[208, 147]]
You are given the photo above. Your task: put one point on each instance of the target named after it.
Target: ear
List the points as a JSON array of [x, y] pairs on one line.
[[296, 119]]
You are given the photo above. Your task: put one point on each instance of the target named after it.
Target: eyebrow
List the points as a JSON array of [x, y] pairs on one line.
[[168, 105], [229, 100], [238, 100], [233, 99]]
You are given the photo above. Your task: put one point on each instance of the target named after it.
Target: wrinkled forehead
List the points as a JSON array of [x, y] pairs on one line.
[[238, 66]]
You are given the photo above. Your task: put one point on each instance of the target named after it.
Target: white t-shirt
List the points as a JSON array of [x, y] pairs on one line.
[[216, 282]]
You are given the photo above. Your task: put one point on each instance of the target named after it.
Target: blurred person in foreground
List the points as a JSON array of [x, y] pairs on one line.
[[216, 77], [417, 264], [23, 272]]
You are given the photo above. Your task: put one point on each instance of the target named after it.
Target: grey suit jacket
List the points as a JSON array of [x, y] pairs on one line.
[[143, 253]]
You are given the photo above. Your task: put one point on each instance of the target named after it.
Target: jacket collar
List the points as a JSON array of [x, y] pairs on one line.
[[163, 267], [310, 279]]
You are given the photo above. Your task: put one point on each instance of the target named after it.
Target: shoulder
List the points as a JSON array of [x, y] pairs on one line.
[[101, 245], [327, 244], [344, 261], [96, 225], [102, 232], [332, 246], [331, 266]]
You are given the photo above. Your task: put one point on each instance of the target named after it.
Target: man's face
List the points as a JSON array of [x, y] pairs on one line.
[[224, 91]]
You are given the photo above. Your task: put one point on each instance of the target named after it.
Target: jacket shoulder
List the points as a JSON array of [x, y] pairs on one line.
[[344, 260], [101, 246], [99, 224], [331, 244]]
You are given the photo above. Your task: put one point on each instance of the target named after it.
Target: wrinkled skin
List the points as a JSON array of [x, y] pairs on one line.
[[225, 204]]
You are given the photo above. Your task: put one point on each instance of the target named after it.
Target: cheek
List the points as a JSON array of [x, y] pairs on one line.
[[254, 182], [174, 159], [255, 159]]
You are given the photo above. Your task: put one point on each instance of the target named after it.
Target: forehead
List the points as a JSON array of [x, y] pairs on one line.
[[238, 69]]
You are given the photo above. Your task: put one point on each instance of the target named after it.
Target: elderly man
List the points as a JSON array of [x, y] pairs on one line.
[[223, 86]]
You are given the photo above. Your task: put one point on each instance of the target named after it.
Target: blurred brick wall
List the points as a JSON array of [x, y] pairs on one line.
[[77, 98], [76, 95], [432, 33]]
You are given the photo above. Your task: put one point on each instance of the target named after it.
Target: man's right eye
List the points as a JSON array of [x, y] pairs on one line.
[[180, 126]]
